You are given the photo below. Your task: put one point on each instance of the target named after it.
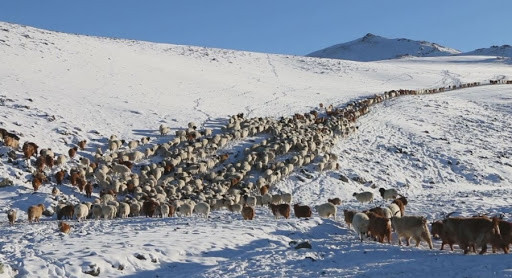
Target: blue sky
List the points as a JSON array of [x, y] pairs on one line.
[[273, 26]]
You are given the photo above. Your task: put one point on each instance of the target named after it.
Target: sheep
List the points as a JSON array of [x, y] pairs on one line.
[[302, 211], [123, 210], [364, 197], [438, 231], [164, 130], [276, 199], [400, 205], [286, 198], [280, 210], [248, 213], [96, 211], [11, 215], [348, 215], [266, 199], [149, 207], [477, 231], [35, 212], [379, 227], [360, 223], [411, 226], [61, 159], [326, 210], [202, 209], [185, 209], [335, 201], [108, 211], [395, 209], [388, 194], [135, 208], [81, 211], [249, 200], [235, 208], [64, 227], [164, 210]]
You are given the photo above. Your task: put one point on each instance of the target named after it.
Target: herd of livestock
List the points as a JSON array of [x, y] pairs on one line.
[[193, 172]]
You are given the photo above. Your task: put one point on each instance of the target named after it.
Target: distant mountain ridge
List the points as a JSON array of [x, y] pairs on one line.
[[375, 48]]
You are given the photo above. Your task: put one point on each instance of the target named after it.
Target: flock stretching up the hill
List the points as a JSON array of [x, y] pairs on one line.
[[192, 174]]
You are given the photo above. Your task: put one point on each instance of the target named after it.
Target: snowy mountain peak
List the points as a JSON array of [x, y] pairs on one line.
[[372, 47]]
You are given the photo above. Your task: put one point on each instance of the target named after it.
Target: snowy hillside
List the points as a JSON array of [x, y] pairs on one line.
[[503, 51], [375, 48], [445, 152]]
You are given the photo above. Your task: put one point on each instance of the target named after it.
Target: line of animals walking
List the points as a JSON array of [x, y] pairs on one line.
[[192, 172]]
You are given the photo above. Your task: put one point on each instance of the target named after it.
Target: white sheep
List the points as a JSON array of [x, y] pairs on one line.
[[185, 209], [203, 209], [388, 194], [286, 198], [394, 210], [266, 199], [108, 211], [360, 223], [165, 210], [326, 210], [364, 197], [164, 129], [96, 211], [411, 226], [135, 208], [249, 200], [81, 212], [124, 210]]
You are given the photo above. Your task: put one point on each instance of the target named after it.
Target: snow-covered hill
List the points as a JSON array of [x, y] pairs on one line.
[[446, 152], [502, 51], [375, 48]]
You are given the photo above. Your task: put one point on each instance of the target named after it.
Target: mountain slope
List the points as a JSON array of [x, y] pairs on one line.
[[503, 51], [375, 48]]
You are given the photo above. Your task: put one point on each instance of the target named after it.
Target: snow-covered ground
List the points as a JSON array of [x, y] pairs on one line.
[[446, 152]]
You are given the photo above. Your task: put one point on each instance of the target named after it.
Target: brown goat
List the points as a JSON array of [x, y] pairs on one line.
[[82, 144], [72, 152], [503, 241], [59, 176], [88, 190], [40, 163], [66, 212], [280, 210], [336, 201], [64, 227], [29, 149], [439, 232], [11, 215], [248, 213], [36, 183], [81, 182], [149, 207], [379, 227], [74, 176], [349, 215], [302, 211], [264, 189], [379, 211], [35, 212], [470, 231]]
